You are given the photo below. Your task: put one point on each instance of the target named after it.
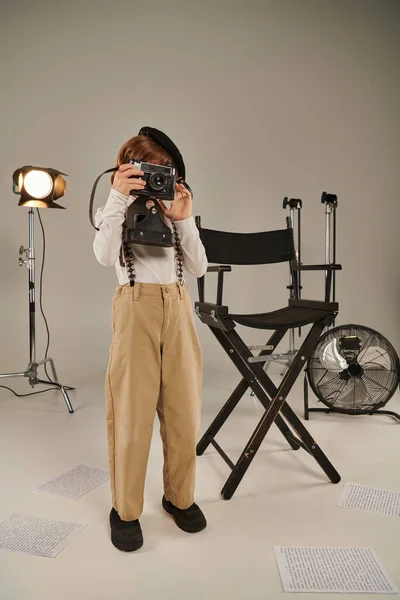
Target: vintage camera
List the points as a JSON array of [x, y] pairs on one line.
[[145, 224], [145, 219], [160, 180]]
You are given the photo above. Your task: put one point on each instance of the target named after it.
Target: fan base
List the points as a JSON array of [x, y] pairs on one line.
[[371, 413]]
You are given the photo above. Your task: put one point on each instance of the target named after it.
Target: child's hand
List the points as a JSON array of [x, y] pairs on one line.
[[127, 178], [181, 206]]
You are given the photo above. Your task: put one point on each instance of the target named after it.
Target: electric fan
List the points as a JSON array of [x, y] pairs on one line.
[[354, 370]]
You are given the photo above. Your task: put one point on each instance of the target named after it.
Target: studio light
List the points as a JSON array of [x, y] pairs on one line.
[[38, 187]]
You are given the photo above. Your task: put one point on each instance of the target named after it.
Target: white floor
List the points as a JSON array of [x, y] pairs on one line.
[[284, 499]]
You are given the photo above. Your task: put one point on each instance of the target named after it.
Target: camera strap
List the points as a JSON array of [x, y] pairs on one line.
[[178, 256], [127, 254], [93, 193]]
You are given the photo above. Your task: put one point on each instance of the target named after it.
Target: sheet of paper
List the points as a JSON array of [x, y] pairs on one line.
[[340, 570], [375, 500], [75, 483], [27, 534]]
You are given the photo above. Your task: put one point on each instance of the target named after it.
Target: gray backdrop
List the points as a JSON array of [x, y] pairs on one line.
[[264, 98]]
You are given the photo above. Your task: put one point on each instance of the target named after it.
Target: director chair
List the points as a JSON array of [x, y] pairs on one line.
[[225, 249]]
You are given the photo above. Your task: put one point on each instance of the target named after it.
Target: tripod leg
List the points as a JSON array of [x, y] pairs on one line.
[[66, 398], [55, 380], [10, 375], [53, 368], [291, 352], [306, 411], [62, 390]]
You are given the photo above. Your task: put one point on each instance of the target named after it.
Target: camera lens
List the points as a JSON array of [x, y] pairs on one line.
[[157, 181]]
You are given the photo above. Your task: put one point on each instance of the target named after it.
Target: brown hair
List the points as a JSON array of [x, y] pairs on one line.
[[144, 149]]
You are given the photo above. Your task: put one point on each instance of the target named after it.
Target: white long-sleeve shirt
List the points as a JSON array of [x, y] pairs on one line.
[[153, 264]]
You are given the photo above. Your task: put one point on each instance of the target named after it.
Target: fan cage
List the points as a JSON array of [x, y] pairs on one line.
[[353, 382]]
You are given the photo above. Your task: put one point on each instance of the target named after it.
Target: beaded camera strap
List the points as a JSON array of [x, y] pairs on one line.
[[130, 259], [178, 256], [127, 254]]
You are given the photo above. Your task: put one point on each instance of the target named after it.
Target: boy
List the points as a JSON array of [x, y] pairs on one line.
[[155, 359]]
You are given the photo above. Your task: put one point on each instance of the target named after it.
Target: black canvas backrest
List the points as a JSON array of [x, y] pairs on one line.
[[268, 247]]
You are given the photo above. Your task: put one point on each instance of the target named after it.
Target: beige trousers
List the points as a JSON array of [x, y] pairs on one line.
[[155, 366]]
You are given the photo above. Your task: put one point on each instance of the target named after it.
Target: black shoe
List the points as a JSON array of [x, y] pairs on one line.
[[125, 535], [189, 519]]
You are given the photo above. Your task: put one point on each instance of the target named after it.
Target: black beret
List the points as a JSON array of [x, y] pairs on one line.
[[165, 142]]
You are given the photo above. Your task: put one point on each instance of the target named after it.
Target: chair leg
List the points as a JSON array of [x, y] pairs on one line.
[[227, 410], [221, 417], [247, 455], [247, 381], [310, 444], [277, 404], [313, 448]]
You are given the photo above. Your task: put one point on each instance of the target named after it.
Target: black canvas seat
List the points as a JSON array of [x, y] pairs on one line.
[[225, 249], [298, 313]]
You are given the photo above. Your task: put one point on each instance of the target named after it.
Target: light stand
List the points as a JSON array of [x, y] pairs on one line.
[[331, 203], [32, 370], [286, 358], [294, 204], [27, 199]]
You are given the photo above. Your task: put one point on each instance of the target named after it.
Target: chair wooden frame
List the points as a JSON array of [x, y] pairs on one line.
[[222, 323]]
